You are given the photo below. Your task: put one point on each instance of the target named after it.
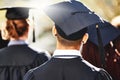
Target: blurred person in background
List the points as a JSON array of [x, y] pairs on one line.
[[3, 43], [17, 58], [111, 53]]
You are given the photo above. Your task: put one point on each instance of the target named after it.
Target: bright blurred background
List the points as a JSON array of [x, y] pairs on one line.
[[107, 9]]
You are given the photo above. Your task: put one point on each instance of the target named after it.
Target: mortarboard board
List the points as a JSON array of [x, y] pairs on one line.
[[107, 31], [101, 35], [16, 12], [70, 18]]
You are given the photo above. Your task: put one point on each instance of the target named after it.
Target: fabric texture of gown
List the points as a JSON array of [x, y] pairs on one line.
[[67, 69], [16, 60]]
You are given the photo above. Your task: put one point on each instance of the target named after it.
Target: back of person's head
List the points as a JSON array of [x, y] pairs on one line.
[[69, 40], [16, 25], [15, 29]]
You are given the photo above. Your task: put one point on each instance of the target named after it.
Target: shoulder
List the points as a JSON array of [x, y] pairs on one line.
[[3, 49], [42, 56], [90, 66], [100, 73], [33, 73], [104, 75], [29, 75]]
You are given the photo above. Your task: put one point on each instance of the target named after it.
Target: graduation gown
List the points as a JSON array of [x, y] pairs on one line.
[[67, 69], [112, 59], [16, 60], [3, 43]]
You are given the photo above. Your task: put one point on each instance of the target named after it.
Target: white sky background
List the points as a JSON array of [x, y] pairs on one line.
[[27, 2]]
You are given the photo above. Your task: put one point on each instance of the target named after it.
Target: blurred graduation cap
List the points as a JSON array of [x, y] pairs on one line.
[[18, 13], [71, 18], [101, 35], [107, 32]]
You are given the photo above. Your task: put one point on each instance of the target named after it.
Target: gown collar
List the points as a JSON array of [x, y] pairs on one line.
[[66, 53], [17, 42]]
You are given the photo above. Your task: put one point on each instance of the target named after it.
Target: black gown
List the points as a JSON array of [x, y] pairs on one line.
[[16, 60], [67, 69], [112, 59]]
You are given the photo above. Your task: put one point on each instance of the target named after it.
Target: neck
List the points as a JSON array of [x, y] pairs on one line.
[[20, 38], [65, 47]]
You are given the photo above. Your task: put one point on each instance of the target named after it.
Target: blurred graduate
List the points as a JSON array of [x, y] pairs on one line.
[[104, 50], [3, 43], [17, 58], [70, 30]]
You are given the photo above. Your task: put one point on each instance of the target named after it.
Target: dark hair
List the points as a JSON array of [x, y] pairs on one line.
[[17, 28], [118, 26]]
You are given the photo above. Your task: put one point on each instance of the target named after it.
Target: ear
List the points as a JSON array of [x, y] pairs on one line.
[[54, 31], [85, 38]]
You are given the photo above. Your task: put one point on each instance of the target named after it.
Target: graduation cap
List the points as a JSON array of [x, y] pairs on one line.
[[71, 18], [101, 35], [18, 13], [107, 32]]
